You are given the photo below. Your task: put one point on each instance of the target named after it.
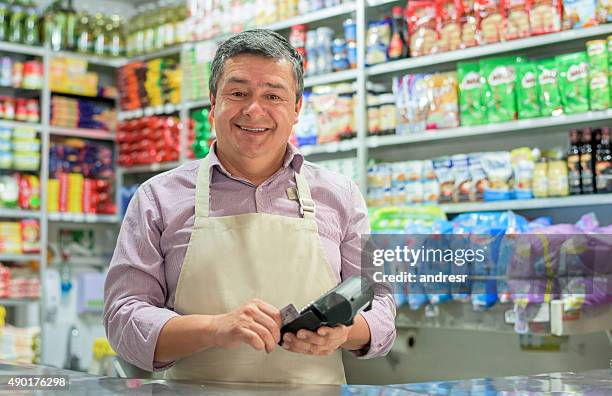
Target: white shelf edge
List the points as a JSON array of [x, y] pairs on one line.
[[377, 3], [536, 203], [165, 109], [330, 78], [90, 58], [19, 213], [169, 51], [150, 168], [408, 64], [196, 104], [319, 15], [83, 133], [329, 148], [83, 218], [22, 49], [13, 302], [489, 129], [23, 257], [20, 124]]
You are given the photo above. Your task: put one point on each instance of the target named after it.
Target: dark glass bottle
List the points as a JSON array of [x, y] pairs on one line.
[[31, 31], [16, 22], [603, 163], [587, 162], [573, 163], [398, 46], [4, 19]]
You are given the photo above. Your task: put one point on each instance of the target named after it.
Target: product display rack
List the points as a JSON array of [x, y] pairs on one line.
[[358, 147]]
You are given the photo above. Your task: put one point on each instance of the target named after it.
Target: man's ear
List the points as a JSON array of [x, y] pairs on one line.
[[298, 107], [211, 113]]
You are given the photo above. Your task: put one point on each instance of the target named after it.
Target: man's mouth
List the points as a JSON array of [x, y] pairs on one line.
[[253, 129]]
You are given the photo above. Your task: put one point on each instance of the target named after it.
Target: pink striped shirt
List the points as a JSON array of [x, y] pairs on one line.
[[141, 282]]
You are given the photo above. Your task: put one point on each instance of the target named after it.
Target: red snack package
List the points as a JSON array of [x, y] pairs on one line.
[[469, 24], [449, 14], [517, 19], [421, 16], [545, 16], [491, 21]]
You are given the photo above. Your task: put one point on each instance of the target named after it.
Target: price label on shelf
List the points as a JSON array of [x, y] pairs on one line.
[[346, 145], [169, 108], [332, 147], [137, 113], [159, 110], [149, 111]]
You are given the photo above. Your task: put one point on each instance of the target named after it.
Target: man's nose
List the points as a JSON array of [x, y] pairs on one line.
[[254, 108]]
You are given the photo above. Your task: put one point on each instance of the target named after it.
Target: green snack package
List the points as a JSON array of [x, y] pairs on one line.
[[610, 66], [574, 82], [599, 91], [527, 100], [499, 94], [470, 94], [550, 96]]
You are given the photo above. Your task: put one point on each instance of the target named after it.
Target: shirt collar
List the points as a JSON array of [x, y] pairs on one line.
[[293, 158]]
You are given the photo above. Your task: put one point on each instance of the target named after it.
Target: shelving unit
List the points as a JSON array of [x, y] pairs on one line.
[[524, 204], [16, 302], [19, 258], [83, 133], [19, 124], [19, 214]]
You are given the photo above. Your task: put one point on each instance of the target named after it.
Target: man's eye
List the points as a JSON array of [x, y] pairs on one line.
[[273, 97], [238, 94]]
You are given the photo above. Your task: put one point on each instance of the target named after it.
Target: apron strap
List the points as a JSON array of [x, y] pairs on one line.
[[307, 205], [202, 193]]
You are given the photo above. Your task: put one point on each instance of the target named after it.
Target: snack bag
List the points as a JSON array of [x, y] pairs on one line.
[[599, 90], [523, 165], [544, 16], [490, 21], [464, 190], [470, 94], [499, 89], [418, 102], [449, 25], [442, 94], [527, 90], [480, 181], [574, 82], [443, 167], [498, 168], [579, 13], [604, 11], [517, 19], [609, 40], [469, 24], [421, 15], [548, 83]]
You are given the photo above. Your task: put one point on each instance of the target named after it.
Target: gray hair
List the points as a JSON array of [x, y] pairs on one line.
[[258, 42]]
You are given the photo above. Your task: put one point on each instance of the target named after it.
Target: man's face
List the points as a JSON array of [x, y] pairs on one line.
[[254, 109]]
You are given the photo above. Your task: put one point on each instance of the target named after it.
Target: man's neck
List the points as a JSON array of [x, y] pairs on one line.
[[255, 170]]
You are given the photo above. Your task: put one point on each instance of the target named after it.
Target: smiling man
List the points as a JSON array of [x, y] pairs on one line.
[[210, 251]]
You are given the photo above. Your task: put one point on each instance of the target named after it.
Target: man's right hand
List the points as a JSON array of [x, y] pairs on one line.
[[255, 323]]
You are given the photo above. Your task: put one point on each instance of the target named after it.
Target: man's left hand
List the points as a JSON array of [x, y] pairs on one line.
[[323, 342]]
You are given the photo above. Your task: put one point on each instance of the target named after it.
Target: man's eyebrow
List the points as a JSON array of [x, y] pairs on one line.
[[238, 80]]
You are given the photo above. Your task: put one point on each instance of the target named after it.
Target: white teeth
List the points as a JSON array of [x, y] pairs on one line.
[[253, 129]]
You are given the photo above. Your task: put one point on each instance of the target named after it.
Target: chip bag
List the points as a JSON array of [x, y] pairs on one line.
[[470, 94], [528, 105], [599, 90], [499, 89], [549, 94]]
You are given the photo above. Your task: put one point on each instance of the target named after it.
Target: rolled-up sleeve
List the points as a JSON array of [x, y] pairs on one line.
[[135, 289], [381, 317]]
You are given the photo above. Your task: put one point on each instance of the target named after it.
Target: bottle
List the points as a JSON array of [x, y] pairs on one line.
[[160, 26], [587, 162], [31, 31], [603, 163], [16, 22], [573, 163], [149, 28], [170, 26], [398, 47], [71, 23], [4, 19], [99, 36], [83, 33], [138, 32], [116, 41]]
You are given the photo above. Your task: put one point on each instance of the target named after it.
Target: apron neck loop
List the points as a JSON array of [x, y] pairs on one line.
[[202, 193]]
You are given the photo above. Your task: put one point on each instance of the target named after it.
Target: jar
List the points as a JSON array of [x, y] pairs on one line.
[[540, 179], [557, 179]]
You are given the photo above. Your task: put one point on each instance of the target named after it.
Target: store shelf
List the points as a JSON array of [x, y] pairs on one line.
[[197, 104], [406, 65], [83, 133], [519, 126], [166, 109], [150, 168], [320, 15], [376, 3], [587, 320], [91, 58], [21, 49], [331, 78], [83, 218], [20, 124], [15, 302], [20, 258], [170, 51], [523, 204], [19, 214], [329, 148]]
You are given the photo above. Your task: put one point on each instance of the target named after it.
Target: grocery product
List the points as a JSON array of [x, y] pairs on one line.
[[523, 164], [498, 168], [377, 42], [573, 82], [579, 13], [82, 113], [398, 45], [545, 16], [573, 163], [540, 179], [443, 108], [196, 65], [148, 140], [469, 21], [490, 21], [599, 89], [499, 89], [527, 100], [202, 134], [470, 94], [517, 19], [421, 15], [603, 163], [549, 93], [449, 25], [587, 162]]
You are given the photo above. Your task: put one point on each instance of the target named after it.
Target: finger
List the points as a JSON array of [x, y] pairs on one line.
[[251, 338], [265, 336], [312, 338], [296, 345], [331, 332], [269, 310], [270, 324]]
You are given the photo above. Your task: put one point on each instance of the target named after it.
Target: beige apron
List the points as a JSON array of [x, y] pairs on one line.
[[232, 259]]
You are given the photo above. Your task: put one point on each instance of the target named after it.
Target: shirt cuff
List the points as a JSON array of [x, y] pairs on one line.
[[377, 340]]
